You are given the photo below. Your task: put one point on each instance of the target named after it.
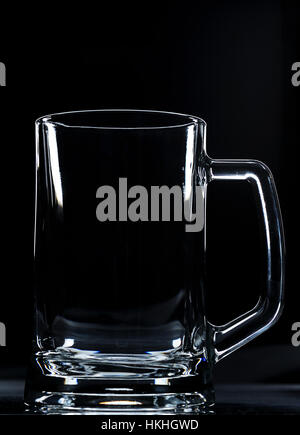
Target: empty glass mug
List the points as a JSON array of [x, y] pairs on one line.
[[119, 254]]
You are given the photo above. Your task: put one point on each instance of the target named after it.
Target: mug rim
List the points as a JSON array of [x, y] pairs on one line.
[[187, 120]]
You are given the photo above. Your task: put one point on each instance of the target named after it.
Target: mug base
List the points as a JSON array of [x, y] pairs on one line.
[[119, 384]]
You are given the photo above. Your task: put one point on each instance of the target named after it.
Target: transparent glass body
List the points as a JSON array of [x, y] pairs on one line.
[[119, 316]]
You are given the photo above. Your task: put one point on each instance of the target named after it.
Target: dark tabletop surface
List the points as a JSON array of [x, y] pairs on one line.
[[254, 381], [232, 399]]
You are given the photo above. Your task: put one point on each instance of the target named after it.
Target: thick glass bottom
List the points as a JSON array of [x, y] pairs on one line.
[[119, 384]]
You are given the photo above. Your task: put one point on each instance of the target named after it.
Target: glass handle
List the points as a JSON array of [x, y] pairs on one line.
[[231, 336]]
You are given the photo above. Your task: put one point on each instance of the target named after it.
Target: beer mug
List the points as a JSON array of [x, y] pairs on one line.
[[119, 256]]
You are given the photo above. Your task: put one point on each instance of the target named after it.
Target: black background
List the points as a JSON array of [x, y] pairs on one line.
[[226, 61]]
